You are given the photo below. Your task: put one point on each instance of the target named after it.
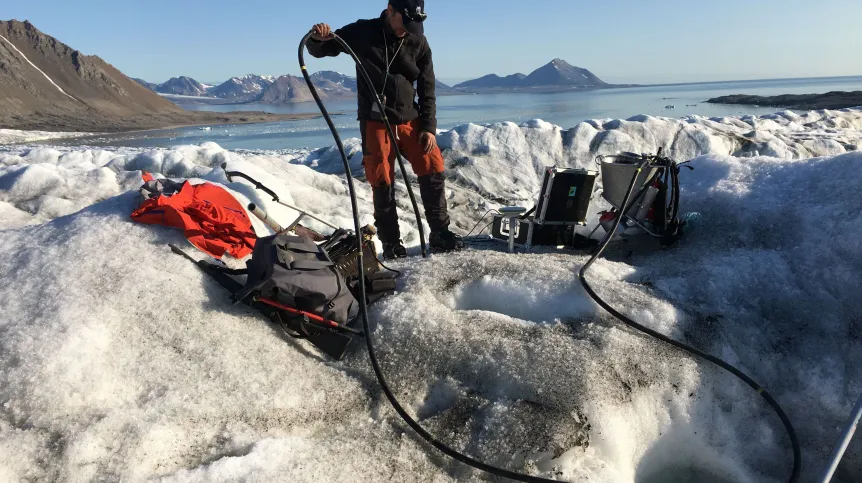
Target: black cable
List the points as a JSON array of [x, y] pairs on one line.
[[486, 240], [794, 442], [369, 342], [480, 221], [391, 133], [396, 272], [362, 299]]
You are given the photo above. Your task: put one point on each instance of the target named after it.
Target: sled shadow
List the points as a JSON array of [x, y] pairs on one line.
[[219, 301], [219, 298]]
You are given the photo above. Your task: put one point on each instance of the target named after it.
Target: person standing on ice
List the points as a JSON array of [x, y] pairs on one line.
[[395, 52]]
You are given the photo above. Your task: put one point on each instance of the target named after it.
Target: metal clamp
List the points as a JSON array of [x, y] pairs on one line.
[[511, 214]]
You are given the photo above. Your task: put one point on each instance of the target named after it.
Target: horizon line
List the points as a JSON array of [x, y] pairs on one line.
[[658, 84]]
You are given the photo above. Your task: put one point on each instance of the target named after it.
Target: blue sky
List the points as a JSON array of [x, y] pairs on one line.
[[619, 40]]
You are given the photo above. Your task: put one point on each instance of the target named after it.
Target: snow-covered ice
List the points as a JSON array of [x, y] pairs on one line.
[[121, 361], [515, 152]]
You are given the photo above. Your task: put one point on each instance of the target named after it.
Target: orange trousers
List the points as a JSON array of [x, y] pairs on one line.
[[379, 157]]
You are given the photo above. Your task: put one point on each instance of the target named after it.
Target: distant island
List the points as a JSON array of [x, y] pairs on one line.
[[557, 75], [830, 100]]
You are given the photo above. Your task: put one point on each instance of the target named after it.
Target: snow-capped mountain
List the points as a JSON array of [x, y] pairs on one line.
[[263, 88], [182, 86], [268, 89], [334, 82], [246, 87]]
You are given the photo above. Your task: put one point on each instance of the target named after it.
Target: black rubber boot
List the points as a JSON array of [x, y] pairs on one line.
[[386, 215], [395, 250], [432, 189], [445, 241]]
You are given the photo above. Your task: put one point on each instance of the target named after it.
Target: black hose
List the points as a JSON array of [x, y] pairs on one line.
[[797, 458], [794, 442], [386, 122], [362, 300]]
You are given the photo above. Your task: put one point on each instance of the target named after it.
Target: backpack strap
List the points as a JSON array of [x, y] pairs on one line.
[[309, 265], [297, 243]]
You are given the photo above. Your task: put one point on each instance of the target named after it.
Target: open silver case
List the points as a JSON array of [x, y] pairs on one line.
[[562, 205]]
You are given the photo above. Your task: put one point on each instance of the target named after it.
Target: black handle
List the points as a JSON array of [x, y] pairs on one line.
[[257, 184]]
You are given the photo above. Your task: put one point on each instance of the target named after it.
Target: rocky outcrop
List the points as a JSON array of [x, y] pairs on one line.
[[830, 100]]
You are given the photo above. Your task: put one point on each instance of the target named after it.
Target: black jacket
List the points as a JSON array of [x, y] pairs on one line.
[[412, 65]]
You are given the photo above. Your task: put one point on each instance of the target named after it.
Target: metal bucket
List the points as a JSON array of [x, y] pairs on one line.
[[617, 174]]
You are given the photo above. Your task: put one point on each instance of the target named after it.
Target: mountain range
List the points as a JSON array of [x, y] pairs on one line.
[[47, 85], [241, 88], [286, 89], [264, 88]]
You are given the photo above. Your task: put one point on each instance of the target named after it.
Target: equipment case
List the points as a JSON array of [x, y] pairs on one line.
[[563, 204]]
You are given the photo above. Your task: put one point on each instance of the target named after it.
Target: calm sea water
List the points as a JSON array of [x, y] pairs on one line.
[[564, 109]]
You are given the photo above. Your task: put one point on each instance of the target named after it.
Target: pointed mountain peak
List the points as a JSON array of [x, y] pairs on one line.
[[560, 64]]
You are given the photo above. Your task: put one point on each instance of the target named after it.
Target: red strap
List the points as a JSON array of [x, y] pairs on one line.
[[299, 312], [146, 176]]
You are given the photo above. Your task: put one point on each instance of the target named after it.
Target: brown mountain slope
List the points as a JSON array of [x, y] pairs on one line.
[[288, 89], [45, 84]]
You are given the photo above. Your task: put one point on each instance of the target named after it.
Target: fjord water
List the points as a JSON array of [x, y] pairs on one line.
[[564, 109]]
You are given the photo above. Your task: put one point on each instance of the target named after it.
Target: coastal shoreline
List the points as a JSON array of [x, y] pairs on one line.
[[113, 125], [829, 100]]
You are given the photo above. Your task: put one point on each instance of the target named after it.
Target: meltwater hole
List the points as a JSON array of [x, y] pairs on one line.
[[530, 300]]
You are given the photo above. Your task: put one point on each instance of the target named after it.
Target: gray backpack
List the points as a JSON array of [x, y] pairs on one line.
[[296, 272]]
